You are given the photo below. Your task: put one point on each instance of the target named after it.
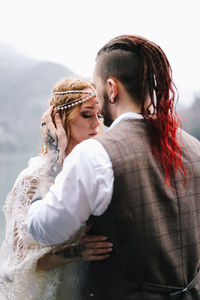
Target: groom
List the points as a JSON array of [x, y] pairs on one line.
[[138, 184]]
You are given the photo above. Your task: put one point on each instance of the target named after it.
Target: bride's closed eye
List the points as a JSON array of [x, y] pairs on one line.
[[86, 115], [89, 115]]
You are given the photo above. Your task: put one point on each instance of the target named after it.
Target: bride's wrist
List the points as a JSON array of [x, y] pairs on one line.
[[62, 157], [72, 251]]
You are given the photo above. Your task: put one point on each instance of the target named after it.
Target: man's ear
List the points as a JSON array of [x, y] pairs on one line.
[[112, 89]]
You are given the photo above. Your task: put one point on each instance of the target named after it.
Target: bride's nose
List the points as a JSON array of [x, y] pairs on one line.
[[95, 122]]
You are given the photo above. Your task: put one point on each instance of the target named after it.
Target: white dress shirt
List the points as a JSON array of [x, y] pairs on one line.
[[84, 187]]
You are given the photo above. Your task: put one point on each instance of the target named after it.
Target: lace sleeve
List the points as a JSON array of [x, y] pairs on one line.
[[22, 241], [19, 252]]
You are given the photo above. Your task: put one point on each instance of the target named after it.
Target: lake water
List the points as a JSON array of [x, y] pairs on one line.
[[10, 166]]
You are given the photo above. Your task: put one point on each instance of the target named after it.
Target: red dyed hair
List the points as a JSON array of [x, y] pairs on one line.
[[144, 70]]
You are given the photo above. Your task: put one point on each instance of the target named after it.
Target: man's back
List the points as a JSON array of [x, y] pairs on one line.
[[154, 228]]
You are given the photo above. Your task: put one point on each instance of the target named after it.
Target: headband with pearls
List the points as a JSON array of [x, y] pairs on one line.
[[90, 94]]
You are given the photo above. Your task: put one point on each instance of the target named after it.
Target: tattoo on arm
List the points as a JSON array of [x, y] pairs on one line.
[[70, 251], [53, 154], [51, 168]]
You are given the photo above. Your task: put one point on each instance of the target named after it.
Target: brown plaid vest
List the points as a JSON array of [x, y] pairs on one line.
[[155, 229]]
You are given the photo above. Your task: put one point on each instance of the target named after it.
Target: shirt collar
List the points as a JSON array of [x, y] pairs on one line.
[[126, 116]]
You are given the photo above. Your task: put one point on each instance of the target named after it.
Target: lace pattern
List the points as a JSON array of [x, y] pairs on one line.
[[19, 252]]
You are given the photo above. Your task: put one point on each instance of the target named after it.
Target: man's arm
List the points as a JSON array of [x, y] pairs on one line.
[[82, 188]]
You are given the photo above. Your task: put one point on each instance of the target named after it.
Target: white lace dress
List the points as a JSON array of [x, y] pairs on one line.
[[19, 252]]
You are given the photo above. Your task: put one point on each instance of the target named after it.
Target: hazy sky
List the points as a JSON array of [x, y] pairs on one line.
[[71, 32]]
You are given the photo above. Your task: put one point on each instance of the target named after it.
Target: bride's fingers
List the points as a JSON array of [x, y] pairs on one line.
[[96, 254], [48, 127], [97, 245], [48, 112], [61, 133], [59, 125], [100, 251]]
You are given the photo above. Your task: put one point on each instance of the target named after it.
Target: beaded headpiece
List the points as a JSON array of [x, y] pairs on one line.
[[89, 95]]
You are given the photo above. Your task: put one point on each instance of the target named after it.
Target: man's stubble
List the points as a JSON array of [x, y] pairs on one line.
[[105, 111]]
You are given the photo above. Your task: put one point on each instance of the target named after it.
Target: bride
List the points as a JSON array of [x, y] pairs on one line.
[[29, 270]]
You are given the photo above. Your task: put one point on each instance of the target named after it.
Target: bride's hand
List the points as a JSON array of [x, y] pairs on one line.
[[54, 136], [90, 247], [95, 247]]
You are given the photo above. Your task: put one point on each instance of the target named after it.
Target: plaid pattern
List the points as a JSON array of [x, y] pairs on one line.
[[155, 230]]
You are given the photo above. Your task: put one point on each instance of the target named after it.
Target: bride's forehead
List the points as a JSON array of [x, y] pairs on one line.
[[92, 104]]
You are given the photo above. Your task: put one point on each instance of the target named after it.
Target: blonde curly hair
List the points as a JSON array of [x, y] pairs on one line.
[[68, 84]]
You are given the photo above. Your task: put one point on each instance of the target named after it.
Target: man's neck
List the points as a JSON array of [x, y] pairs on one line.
[[126, 107]]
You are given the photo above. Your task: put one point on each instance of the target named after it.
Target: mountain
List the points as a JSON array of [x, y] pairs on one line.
[[25, 89]]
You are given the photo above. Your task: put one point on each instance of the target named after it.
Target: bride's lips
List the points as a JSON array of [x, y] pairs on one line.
[[93, 134]]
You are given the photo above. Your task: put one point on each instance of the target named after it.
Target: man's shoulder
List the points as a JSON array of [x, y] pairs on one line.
[[119, 131], [189, 139]]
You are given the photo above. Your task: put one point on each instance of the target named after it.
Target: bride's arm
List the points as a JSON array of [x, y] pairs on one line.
[[55, 144], [90, 247], [18, 242], [33, 181]]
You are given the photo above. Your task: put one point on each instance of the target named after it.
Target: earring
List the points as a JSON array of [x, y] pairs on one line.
[[112, 101], [148, 111]]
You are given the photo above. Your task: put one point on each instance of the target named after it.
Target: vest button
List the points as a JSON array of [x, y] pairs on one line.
[[91, 294]]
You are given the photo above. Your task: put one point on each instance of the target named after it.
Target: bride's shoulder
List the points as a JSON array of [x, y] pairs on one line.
[[35, 162], [33, 167]]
